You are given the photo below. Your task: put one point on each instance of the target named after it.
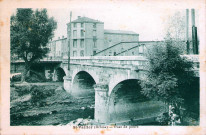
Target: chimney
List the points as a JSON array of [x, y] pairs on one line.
[[187, 31], [193, 16], [79, 17], [62, 37], [194, 33]]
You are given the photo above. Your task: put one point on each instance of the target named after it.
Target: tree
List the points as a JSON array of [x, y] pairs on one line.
[[176, 30], [175, 25], [30, 32], [169, 75]]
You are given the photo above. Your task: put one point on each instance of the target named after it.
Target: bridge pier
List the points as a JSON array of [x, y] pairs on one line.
[[67, 83], [101, 106]]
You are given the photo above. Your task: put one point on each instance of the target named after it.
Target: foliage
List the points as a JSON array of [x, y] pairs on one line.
[[30, 32], [175, 25], [22, 89], [163, 118], [175, 29], [35, 77], [16, 78], [169, 76], [40, 93]]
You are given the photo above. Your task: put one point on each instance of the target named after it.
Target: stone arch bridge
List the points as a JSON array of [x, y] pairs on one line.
[[107, 72]]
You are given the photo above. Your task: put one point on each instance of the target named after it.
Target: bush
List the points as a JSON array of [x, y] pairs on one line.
[[163, 118], [22, 89], [39, 93], [35, 78], [16, 78]]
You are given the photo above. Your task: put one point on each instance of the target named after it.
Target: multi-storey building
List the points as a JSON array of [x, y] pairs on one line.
[[58, 48], [87, 37]]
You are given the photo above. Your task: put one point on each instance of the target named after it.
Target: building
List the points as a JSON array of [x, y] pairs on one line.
[[57, 48], [87, 37]]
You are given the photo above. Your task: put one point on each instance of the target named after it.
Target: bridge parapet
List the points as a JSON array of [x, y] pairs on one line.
[[110, 61]]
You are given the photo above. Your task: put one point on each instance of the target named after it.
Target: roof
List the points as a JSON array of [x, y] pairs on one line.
[[120, 32], [86, 19]]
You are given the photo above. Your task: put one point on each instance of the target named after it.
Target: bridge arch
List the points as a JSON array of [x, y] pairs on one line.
[[93, 75], [59, 73], [124, 99], [118, 79], [127, 103]]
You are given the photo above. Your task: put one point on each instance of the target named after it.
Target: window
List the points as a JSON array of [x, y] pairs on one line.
[[75, 43], [75, 25], [74, 53], [81, 53], [82, 25], [94, 33], [74, 33], [115, 53], [94, 44], [82, 43], [94, 25], [82, 33]]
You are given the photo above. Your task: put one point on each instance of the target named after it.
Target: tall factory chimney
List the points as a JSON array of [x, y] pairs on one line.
[[194, 33], [187, 31]]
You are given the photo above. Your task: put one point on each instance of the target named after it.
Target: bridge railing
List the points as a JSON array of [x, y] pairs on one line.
[[123, 61], [111, 61]]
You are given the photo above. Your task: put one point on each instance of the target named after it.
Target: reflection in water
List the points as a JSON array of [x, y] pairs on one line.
[[127, 103], [83, 85]]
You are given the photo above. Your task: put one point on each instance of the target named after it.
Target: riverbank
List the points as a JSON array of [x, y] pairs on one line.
[[38, 104], [47, 104]]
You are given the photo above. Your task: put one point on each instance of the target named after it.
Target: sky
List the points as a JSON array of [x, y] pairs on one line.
[[145, 17], [146, 20]]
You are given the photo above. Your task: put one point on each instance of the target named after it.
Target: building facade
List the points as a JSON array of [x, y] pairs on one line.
[[57, 48], [87, 37]]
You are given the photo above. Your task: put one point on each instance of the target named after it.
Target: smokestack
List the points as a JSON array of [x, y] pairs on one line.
[[194, 33], [187, 31], [193, 16]]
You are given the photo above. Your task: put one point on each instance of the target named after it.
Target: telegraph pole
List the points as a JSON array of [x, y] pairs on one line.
[[70, 31]]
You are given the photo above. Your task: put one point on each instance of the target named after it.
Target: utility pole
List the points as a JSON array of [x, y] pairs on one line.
[[70, 31]]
